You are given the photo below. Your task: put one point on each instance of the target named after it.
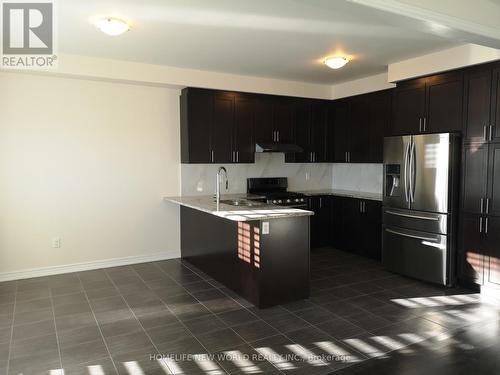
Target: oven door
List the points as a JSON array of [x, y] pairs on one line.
[[421, 255]]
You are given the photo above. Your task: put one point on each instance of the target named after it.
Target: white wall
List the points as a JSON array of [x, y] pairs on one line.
[[199, 179], [90, 162]]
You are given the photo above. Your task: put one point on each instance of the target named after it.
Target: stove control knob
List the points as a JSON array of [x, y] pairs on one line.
[[274, 201], [279, 201], [288, 201], [297, 200]]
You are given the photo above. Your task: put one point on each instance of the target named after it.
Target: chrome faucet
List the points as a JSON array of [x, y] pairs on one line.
[[217, 187]]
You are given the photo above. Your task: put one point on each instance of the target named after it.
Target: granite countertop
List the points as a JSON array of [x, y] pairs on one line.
[[343, 193], [260, 211]]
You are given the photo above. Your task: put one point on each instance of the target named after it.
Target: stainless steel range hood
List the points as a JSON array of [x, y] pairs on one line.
[[278, 147]]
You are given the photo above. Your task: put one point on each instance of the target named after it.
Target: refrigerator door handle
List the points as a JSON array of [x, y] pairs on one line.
[[419, 217], [405, 162], [412, 171], [430, 239]]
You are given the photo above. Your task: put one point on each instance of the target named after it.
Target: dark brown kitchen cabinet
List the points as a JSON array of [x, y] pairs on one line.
[[471, 258], [217, 126], [369, 120], [477, 103], [196, 126], [481, 178], [222, 128], [493, 197], [479, 250], [482, 104], [338, 132], [244, 143], [428, 105], [264, 131], [321, 221], [283, 119], [310, 131], [474, 177], [408, 107]]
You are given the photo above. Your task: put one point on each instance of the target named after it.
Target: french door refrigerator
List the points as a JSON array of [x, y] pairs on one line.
[[420, 205]]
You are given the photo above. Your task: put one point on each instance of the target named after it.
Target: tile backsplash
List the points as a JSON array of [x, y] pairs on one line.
[[358, 177], [199, 179]]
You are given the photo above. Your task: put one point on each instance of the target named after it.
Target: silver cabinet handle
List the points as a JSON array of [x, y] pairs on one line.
[[212, 156], [491, 132], [425, 124], [360, 206], [485, 130], [486, 225], [237, 156], [420, 124], [482, 205], [320, 202], [346, 160], [410, 235], [277, 135], [487, 205], [480, 225], [314, 156]]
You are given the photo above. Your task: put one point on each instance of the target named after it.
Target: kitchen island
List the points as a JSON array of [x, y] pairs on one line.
[[260, 251]]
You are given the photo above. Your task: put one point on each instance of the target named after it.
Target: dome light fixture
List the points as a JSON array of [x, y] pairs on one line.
[[336, 62], [112, 26]]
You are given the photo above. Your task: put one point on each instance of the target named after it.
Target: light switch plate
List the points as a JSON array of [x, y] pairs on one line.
[[265, 227]]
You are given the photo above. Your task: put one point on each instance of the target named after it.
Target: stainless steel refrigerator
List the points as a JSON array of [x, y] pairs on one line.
[[420, 205]]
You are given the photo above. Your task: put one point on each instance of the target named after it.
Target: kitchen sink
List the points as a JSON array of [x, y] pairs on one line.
[[241, 202]]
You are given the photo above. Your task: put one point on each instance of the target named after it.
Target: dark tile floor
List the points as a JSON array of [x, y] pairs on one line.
[[169, 318]]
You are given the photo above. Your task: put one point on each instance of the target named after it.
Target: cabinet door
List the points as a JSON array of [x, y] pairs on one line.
[[330, 132], [492, 242], [496, 106], [244, 118], [370, 230], [314, 223], [318, 131], [474, 177], [360, 129], [283, 119], [337, 239], [493, 203], [471, 254], [477, 95], [352, 225], [222, 127], [303, 131], [408, 107], [263, 120], [444, 103], [341, 132], [379, 105], [196, 124]]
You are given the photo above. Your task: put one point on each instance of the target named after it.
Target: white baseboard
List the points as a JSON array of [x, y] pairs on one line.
[[86, 266]]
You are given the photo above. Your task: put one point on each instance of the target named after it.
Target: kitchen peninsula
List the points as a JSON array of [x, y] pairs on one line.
[[260, 251]]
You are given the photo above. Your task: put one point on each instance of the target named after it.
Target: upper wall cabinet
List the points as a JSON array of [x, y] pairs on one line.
[[217, 126], [428, 105], [356, 127], [482, 104]]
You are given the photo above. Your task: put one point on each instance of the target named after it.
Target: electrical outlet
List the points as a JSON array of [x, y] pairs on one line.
[[56, 242], [265, 227]]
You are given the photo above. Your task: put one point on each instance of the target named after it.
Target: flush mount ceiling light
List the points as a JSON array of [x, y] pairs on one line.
[[112, 26], [336, 62]]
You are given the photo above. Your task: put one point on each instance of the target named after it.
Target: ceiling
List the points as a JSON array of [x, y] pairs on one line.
[[285, 39]]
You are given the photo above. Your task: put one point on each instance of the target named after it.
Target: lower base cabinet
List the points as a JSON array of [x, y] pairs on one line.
[[479, 250], [349, 224]]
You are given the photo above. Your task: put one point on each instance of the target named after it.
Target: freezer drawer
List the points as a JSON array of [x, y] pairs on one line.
[[417, 254], [416, 220]]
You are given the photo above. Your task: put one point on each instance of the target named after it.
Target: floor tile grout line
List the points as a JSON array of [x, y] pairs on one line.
[[12, 329], [55, 328], [97, 323], [230, 328]]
